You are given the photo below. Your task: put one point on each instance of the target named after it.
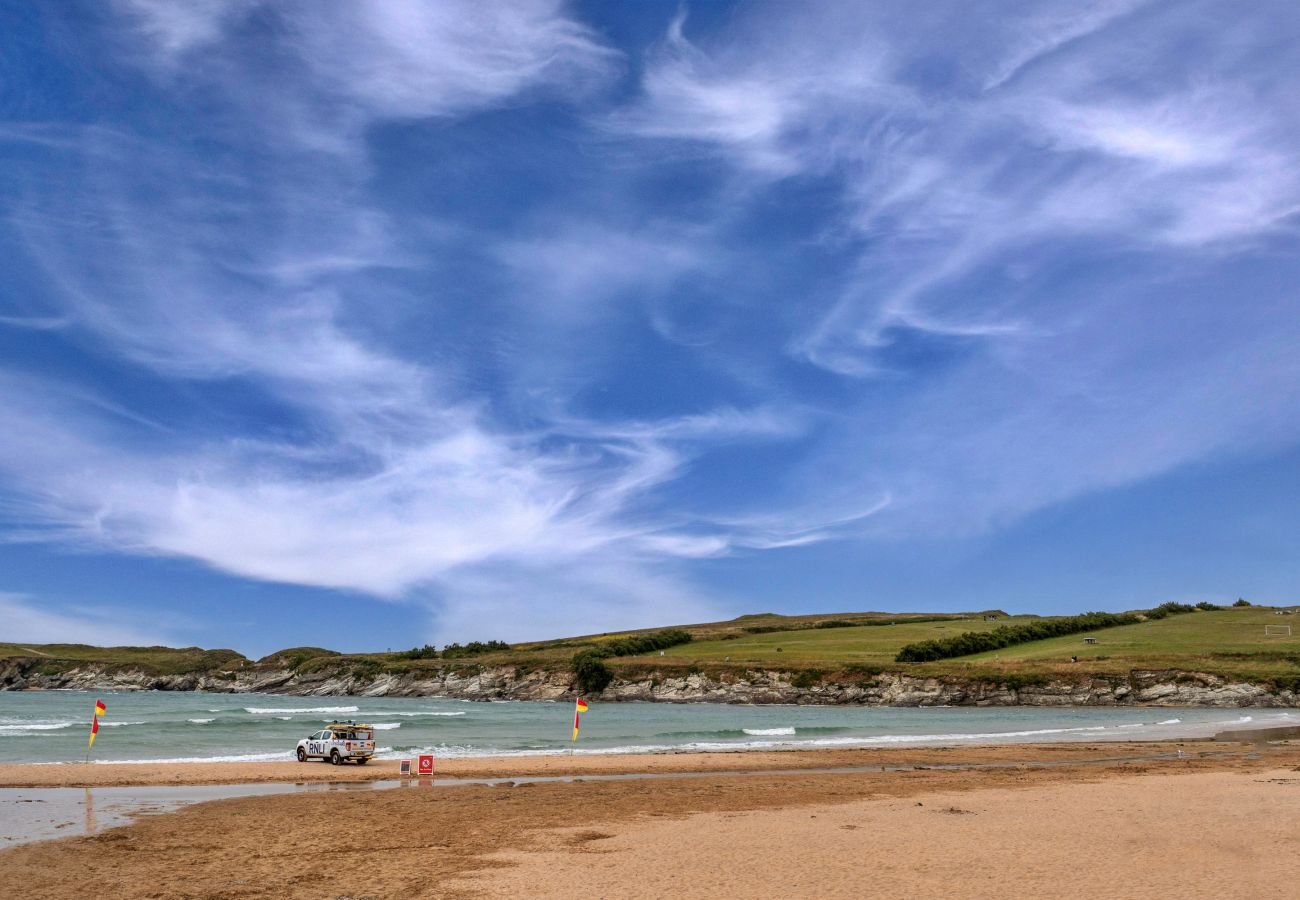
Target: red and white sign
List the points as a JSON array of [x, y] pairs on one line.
[[424, 765]]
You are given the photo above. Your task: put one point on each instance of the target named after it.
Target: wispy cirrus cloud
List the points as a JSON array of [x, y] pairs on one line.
[[325, 71], [1052, 136], [425, 302]]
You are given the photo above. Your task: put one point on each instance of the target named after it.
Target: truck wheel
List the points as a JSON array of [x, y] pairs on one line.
[[302, 755], [362, 760], [335, 759]]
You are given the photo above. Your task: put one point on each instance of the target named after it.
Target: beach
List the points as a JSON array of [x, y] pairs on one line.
[[1185, 819]]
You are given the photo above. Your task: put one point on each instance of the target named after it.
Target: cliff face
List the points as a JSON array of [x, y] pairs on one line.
[[1140, 688]]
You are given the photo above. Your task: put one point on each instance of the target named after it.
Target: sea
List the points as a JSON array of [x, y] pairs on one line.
[[53, 726]]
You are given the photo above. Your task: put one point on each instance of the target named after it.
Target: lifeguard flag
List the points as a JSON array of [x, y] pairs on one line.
[[578, 708], [100, 709]]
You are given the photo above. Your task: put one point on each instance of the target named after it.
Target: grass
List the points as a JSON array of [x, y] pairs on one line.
[[1229, 642], [155, 660], [870, 645]]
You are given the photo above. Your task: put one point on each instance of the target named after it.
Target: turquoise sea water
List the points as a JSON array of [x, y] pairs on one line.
[[52, 726]]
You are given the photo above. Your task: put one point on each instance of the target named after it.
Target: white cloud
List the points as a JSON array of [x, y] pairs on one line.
[[178, 28], [24, 619], [413, 59], [964, 178], [325, 71], [540, 601]]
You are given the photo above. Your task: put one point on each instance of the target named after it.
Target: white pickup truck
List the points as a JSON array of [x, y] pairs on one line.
[[338, 743]]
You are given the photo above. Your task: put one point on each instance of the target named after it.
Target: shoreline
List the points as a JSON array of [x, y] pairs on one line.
[[130, 774], [1219, 821]]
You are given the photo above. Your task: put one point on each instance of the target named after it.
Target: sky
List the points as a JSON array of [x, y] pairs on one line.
[[371, 324]]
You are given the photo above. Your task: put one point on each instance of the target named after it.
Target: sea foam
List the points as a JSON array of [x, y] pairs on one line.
[[266, 710]]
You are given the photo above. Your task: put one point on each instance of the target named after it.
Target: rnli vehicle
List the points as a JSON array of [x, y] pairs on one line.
[[340, 742]]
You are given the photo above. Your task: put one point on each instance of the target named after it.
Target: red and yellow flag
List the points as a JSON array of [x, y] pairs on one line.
[[578, 709], [100, 709]]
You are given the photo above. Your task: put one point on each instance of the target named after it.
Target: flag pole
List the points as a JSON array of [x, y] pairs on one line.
[[94, 727]]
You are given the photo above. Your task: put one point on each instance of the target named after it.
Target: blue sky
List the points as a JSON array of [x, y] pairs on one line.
[[371, 324]]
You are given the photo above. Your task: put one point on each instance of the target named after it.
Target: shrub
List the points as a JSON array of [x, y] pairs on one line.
[[1208, 606], [590, 672], [473, 648], [1242, 601], [639, 644], [806, 678], [1165, 610], [835, 623], [428, 651]]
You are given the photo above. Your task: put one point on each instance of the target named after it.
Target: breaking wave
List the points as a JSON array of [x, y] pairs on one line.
[[266, 710]]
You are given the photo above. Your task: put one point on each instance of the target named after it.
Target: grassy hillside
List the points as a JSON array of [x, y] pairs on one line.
[[153, 660], [864, 644], [1228, 642], [1219, 640]]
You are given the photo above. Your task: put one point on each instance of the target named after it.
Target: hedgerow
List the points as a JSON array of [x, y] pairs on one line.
[[1008, 635]]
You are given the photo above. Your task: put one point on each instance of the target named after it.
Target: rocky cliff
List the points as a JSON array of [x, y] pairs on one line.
[[1138, 688]]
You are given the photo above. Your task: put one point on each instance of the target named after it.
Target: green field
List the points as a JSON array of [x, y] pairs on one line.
[[869, 645], [1228, 642]]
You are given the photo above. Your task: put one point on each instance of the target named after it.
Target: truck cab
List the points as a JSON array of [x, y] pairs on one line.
[[338, 743]]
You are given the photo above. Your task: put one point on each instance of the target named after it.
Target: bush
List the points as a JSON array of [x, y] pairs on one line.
[[473, 648], [590, 672], [835, 623], [1164, 610], [1208, 606], [593, 676], [428, 651], [1242, 601], [805, 679], [639, 644]]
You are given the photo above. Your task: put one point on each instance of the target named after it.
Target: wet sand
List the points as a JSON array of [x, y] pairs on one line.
[[289, 771], [1062, 822]]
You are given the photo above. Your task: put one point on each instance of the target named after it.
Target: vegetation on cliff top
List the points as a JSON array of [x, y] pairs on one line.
[[847, 646]]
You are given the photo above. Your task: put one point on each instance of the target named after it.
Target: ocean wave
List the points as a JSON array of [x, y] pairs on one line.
[[1169, 722], [386, 726], [764, 732], [121, 724], [411, 714], [265, 710], [200, 721], [38, 726]]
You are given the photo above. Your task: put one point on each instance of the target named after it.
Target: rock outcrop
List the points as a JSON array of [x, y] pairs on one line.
[[1138, 688]]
